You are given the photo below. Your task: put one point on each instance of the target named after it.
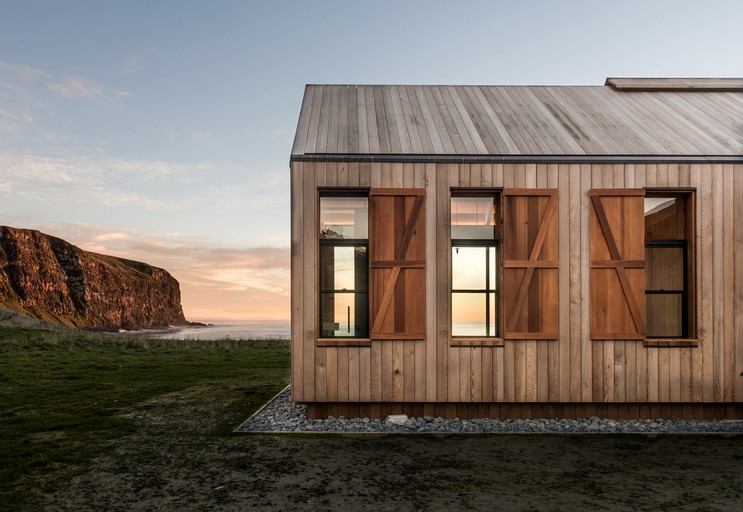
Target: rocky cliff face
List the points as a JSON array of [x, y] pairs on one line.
[[49, 278]]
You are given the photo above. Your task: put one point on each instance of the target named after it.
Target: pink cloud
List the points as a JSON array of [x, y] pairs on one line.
[[79, 88]]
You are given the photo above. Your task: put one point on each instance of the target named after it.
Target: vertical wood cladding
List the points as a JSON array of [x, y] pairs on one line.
[[572, 367]]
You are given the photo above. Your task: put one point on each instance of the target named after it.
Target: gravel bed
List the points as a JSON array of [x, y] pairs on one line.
[[283, 415]]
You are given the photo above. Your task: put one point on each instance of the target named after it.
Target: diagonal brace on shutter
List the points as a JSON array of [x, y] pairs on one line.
[[532, 263], [618, 264], [397, 264]]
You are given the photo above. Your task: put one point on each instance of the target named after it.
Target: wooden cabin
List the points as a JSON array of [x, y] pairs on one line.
[[518, 251]]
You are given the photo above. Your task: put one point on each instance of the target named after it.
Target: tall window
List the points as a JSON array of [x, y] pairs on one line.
[[668, 264], [474, 268], [344, 266]]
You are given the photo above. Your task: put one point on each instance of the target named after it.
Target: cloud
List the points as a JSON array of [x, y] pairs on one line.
[[11, 123], [248, 282], [22, 71], [23, 80], [147, 184], [135, 63], [97, 179], [79, 88]]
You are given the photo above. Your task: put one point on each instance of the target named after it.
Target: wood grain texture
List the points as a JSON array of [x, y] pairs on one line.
[[516, 120], [571, 369]]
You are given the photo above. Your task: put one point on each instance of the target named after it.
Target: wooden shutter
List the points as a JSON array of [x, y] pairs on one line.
[[397, 259], [617, 252], [530, 261]]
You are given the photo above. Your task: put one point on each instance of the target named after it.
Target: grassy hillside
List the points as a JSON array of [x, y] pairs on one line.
[[66, 397]]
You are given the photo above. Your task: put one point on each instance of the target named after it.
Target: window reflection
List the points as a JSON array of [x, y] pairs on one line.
[[474, 272], [344, 217], [472, 218], [667, 269], [344, 266]]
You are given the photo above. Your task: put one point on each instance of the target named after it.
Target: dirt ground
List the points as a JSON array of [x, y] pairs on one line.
[[179, 458]]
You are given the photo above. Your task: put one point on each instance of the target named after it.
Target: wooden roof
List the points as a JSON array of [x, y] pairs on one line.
[[449, 121]]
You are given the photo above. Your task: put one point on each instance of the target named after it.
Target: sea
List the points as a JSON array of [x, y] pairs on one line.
[[227, 331], [263, 331]]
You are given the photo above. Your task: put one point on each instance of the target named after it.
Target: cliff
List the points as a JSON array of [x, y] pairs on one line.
[[51, 279]]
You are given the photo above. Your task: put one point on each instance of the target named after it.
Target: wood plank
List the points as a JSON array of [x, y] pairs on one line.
[[343, 119], [316, 123], [414, 128], [397, 181], [464, 175], [456, 123], [393, 99], [620, 375], [438, 111], [738, 305], [333, 118], [331, 375], [532, 378], [465, 374], [498, 375], [586, 351], [487, 175], [664, 374], [431, 137], [388, 372], [419, 357], [498, 175], [383, 130], [674, 374], [365, 374], [453, 374], [371, 121], [363, 121], [348, 374], [457, 95], [520, 372], [718, 320], [408, 372], [487, 374], [303, 126], [375, 372], [390, 121], [432, 330], [597, 349], [541, 371], [597, 371], [653, 375], [375, 175], [608, 370], [728, 293], [309, 274], [498, 133], [572, 267], [443, 249], [297, 322]]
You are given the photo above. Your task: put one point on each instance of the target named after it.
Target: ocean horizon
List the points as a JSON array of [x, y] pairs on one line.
[[262, 330], [228, 330]]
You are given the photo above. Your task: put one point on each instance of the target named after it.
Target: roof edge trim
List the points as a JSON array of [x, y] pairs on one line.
[[545, 159], [676, 84]]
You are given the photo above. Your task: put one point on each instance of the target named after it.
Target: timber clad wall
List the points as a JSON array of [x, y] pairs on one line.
[[564, 366]]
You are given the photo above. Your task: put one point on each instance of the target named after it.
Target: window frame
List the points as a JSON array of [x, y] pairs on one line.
[[689, 292], [350, 340], [496, 194]]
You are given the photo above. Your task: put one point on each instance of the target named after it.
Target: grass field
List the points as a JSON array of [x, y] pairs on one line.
[[93, 422], [66, 397]]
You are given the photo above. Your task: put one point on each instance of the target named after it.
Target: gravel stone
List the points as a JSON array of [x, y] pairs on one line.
[[283, 415]]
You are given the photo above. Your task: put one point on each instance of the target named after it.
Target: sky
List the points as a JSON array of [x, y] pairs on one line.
[[161, 131]]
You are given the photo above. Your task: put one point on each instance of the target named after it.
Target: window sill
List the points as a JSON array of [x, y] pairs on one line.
[[476, 342], [671, 342], [343, 342]]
